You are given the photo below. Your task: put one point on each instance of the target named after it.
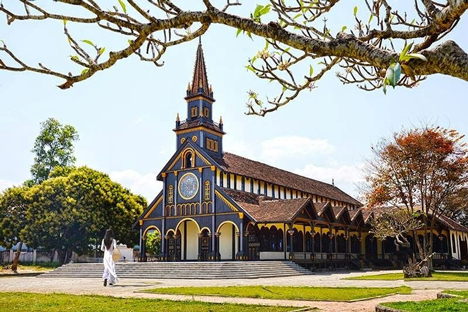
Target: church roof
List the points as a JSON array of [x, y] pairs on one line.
[[250, 168], [200, 77], [451, 224], [189, 124], [266, 209], [446, 221], [354, 214]]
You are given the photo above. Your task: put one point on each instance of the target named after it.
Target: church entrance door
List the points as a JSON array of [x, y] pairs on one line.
[[189, 237], [253, 245], [227, 241], [205, 244], [173, 246]]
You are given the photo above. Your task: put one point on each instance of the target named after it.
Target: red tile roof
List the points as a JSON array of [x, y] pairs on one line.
[[452, 224], [267, 209], [446, 221], [253, 169], [354, 214]]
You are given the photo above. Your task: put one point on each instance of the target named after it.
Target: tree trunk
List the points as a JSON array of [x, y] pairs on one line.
[[61, 256], [417, 269], [14, 266], [69, 255]]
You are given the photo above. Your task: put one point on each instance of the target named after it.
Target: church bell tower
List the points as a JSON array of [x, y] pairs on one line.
[[199, 126]]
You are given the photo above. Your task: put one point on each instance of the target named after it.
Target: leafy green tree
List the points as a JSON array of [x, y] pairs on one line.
[[13, 207], [378, 44], [153, 243], [71, 210], [53, 148]]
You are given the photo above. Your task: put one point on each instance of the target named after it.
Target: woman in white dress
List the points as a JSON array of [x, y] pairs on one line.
[[108, 244]]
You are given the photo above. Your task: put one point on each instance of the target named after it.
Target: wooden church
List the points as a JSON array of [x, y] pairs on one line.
[[216, 205]]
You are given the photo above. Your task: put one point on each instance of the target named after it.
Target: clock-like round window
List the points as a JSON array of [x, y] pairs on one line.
[[188, 186]]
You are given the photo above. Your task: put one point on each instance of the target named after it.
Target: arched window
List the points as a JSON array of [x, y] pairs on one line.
[[188, 160], [206, 112], [207, 191], [170, 194], [341, 243], [454, 244], [308, 241], [264, 239], [317, 242]]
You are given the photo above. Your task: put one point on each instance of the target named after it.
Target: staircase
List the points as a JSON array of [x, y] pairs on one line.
[[183, 270]]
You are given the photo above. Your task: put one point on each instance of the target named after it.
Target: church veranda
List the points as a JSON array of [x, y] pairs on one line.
[[216, 205]]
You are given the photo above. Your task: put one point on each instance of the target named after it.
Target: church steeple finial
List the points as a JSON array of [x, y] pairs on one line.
[[200, 78]]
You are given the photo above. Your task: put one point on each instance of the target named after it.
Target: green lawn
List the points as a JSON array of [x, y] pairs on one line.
[[452, 305], [286, 293], [436, 276], [64, 302]]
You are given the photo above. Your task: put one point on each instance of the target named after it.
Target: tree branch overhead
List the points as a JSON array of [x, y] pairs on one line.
[[388, 49]]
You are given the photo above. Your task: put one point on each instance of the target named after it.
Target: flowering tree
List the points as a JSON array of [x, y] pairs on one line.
[[386, 46], [418, 170]]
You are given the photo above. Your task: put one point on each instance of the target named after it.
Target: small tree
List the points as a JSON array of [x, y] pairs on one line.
[[397, 223], [419, 170], [153, 243]]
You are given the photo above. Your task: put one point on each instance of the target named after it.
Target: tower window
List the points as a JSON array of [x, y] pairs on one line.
[[170, 194], [212, 145], [188, 161], [206, 112], [194, 111], [207, 191]]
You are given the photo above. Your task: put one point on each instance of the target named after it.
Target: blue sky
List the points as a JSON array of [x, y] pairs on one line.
[[125, 115]]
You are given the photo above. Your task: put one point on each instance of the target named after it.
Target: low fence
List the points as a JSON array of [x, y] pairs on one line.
[[7, 256], [34, 256]]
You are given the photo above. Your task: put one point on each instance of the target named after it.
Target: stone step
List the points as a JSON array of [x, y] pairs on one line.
[[181, 270]]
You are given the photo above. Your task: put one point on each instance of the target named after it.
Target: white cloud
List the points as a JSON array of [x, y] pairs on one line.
[[343, 173], [238, 147], [142, 184], [136, 120], [4, 184], [294, 147], [346, 177]]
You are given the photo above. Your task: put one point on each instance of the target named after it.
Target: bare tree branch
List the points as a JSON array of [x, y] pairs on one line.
[[298, 36]]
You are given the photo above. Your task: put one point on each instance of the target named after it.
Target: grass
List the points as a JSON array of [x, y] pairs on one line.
[[31, 267], [452, 304], [285, 293], [436, 276], [62, 302]]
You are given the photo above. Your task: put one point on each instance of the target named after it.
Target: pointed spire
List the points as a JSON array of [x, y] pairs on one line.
[[200, 79], [220, 120], [177, 121]]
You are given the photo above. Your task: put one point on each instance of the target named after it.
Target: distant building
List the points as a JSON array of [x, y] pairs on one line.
[[219, 206]]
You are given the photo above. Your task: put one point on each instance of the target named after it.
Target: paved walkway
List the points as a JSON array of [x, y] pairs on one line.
[[130, 288]]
